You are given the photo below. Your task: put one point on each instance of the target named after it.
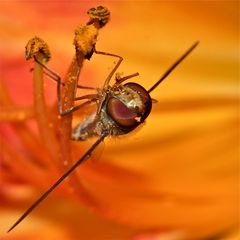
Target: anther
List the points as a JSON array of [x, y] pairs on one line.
[[37, 46]]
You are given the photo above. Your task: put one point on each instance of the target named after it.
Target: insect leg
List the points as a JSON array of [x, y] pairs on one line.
[[88, 96], [86, 87], [120, 80], [173, 66], [50, 73], [120, 59], [75, 108], [54, 76], [66, 174], [92, 98]]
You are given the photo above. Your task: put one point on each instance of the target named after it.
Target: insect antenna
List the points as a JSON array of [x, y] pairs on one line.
[[66, 174], [173, 66]]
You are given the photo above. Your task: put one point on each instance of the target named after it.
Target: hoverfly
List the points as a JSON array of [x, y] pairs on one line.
[[121, 107]]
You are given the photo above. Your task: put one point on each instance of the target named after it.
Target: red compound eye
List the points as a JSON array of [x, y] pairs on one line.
[[120, 113], [126, 117], [145, 97]]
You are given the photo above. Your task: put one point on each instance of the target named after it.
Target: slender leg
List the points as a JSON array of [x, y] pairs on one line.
[[173, 67], [154, 100], [106, 83], [75, 108], [55, 77], [88, 96], [120, 80], [66, 174], [120, 59], [91, 98], [86, 87]]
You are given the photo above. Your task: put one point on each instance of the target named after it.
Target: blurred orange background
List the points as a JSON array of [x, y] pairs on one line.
[[177, 177]]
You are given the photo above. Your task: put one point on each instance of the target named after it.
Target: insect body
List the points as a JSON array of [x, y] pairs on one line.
[[120, 108], [123, 108]]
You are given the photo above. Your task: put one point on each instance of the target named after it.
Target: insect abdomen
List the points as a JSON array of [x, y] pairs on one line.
[[85, 129]]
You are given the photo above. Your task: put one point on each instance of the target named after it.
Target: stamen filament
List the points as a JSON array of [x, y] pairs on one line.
[[16, 114], [29, 140], [47, 133]]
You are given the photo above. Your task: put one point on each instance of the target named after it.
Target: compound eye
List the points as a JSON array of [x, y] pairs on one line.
[[145, 97], [120, 113]]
